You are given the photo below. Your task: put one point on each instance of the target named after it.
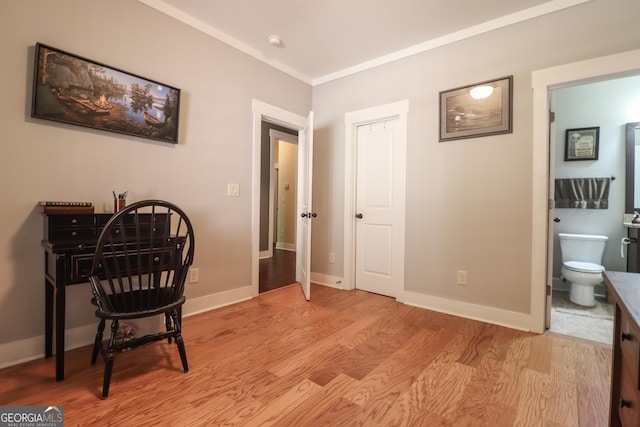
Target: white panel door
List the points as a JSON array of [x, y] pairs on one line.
[[305, 212], [378, 195]]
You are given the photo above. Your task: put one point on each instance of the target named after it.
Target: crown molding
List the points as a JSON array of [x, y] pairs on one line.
[[485, 27], [207, 29]]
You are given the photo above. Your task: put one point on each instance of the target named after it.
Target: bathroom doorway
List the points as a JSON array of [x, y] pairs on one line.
[[574, 107]]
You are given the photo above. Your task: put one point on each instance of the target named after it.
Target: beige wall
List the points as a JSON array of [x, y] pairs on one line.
[[287, 191], [43, 160], [468, 201]]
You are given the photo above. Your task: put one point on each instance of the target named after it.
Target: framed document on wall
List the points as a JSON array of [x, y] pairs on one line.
[[582, 144]]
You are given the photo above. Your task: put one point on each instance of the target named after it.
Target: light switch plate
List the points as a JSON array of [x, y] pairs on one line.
[[194, 275]]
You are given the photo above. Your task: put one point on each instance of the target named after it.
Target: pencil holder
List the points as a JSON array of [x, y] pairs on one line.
[[119, 204]]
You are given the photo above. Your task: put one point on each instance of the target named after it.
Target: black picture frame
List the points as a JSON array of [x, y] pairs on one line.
[[582, 143], [463, 115], [68, 88]]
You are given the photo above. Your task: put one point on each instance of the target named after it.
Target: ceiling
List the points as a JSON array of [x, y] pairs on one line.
[[323, 40]]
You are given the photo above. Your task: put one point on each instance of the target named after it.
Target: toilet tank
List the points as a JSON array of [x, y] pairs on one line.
[[582, 247]]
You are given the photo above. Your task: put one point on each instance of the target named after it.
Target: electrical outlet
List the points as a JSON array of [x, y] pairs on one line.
[[233, 190], [194, 275], [462, 277], [332, 257]]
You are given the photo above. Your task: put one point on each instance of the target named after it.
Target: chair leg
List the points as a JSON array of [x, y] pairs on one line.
[[97, 345], [180, 341], [108, 359], [167, 322], [183, 353], [108, 369]]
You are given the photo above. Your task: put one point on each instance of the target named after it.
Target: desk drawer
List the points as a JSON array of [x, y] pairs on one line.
[[70, 234], [130, 232], [56, 221], [629, 403], [630, 347], [81, 264], [81, 267], [144, 218]]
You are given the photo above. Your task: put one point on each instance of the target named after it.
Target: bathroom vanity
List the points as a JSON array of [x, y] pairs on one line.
[[625, 379]]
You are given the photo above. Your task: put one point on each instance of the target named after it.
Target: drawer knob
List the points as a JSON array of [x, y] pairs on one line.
[[73, 221], [626, 337], [73, 233], [156, 259], [625, 403]]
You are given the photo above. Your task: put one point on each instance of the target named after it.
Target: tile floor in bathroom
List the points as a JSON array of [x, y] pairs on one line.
[[594, 323]]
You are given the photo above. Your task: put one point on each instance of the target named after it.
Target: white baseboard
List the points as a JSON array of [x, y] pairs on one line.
[[13, 353], [195, 306], [327, 280], [496, 316], [286, 246]]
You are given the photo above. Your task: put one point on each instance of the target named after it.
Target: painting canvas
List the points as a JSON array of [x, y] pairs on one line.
[[70, 89], [476, 110]]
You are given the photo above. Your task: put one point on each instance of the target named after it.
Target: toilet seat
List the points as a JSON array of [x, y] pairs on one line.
[[583, 267]]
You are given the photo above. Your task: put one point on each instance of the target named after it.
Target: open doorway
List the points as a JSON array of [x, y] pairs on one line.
[[543, 82], [263, 112], [588, 221], [279, 159]]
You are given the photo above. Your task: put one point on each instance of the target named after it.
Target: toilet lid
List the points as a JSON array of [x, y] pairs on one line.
[[583, 267]]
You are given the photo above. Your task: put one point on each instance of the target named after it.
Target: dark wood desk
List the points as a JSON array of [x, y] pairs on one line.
[[69, 244]]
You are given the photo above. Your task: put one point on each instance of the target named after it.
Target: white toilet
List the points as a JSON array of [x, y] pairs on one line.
[[582, 265]]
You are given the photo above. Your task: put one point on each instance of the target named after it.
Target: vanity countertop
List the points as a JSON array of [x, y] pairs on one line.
[[627, 287]]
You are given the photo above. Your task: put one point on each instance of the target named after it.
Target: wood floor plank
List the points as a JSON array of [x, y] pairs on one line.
[[395, 375], [283, 406], [510, 384], [315, 406], [345, 358]]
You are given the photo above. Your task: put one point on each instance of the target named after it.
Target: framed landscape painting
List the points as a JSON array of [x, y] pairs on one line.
[[71, 89], [480, 109]]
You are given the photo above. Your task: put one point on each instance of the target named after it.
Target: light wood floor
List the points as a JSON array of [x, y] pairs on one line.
[[345, 358]]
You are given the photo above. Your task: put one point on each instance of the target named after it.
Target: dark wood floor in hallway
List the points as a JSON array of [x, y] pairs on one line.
[[277, 271], [345, 358]]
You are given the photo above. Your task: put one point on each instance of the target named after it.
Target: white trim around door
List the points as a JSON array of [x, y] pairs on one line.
[[272, 114], [354, 119], [591, 70]]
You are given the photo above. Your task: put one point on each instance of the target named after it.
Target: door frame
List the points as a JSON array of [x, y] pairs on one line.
[[278, 116], [274, 136], [542, 81], [354, 119]]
